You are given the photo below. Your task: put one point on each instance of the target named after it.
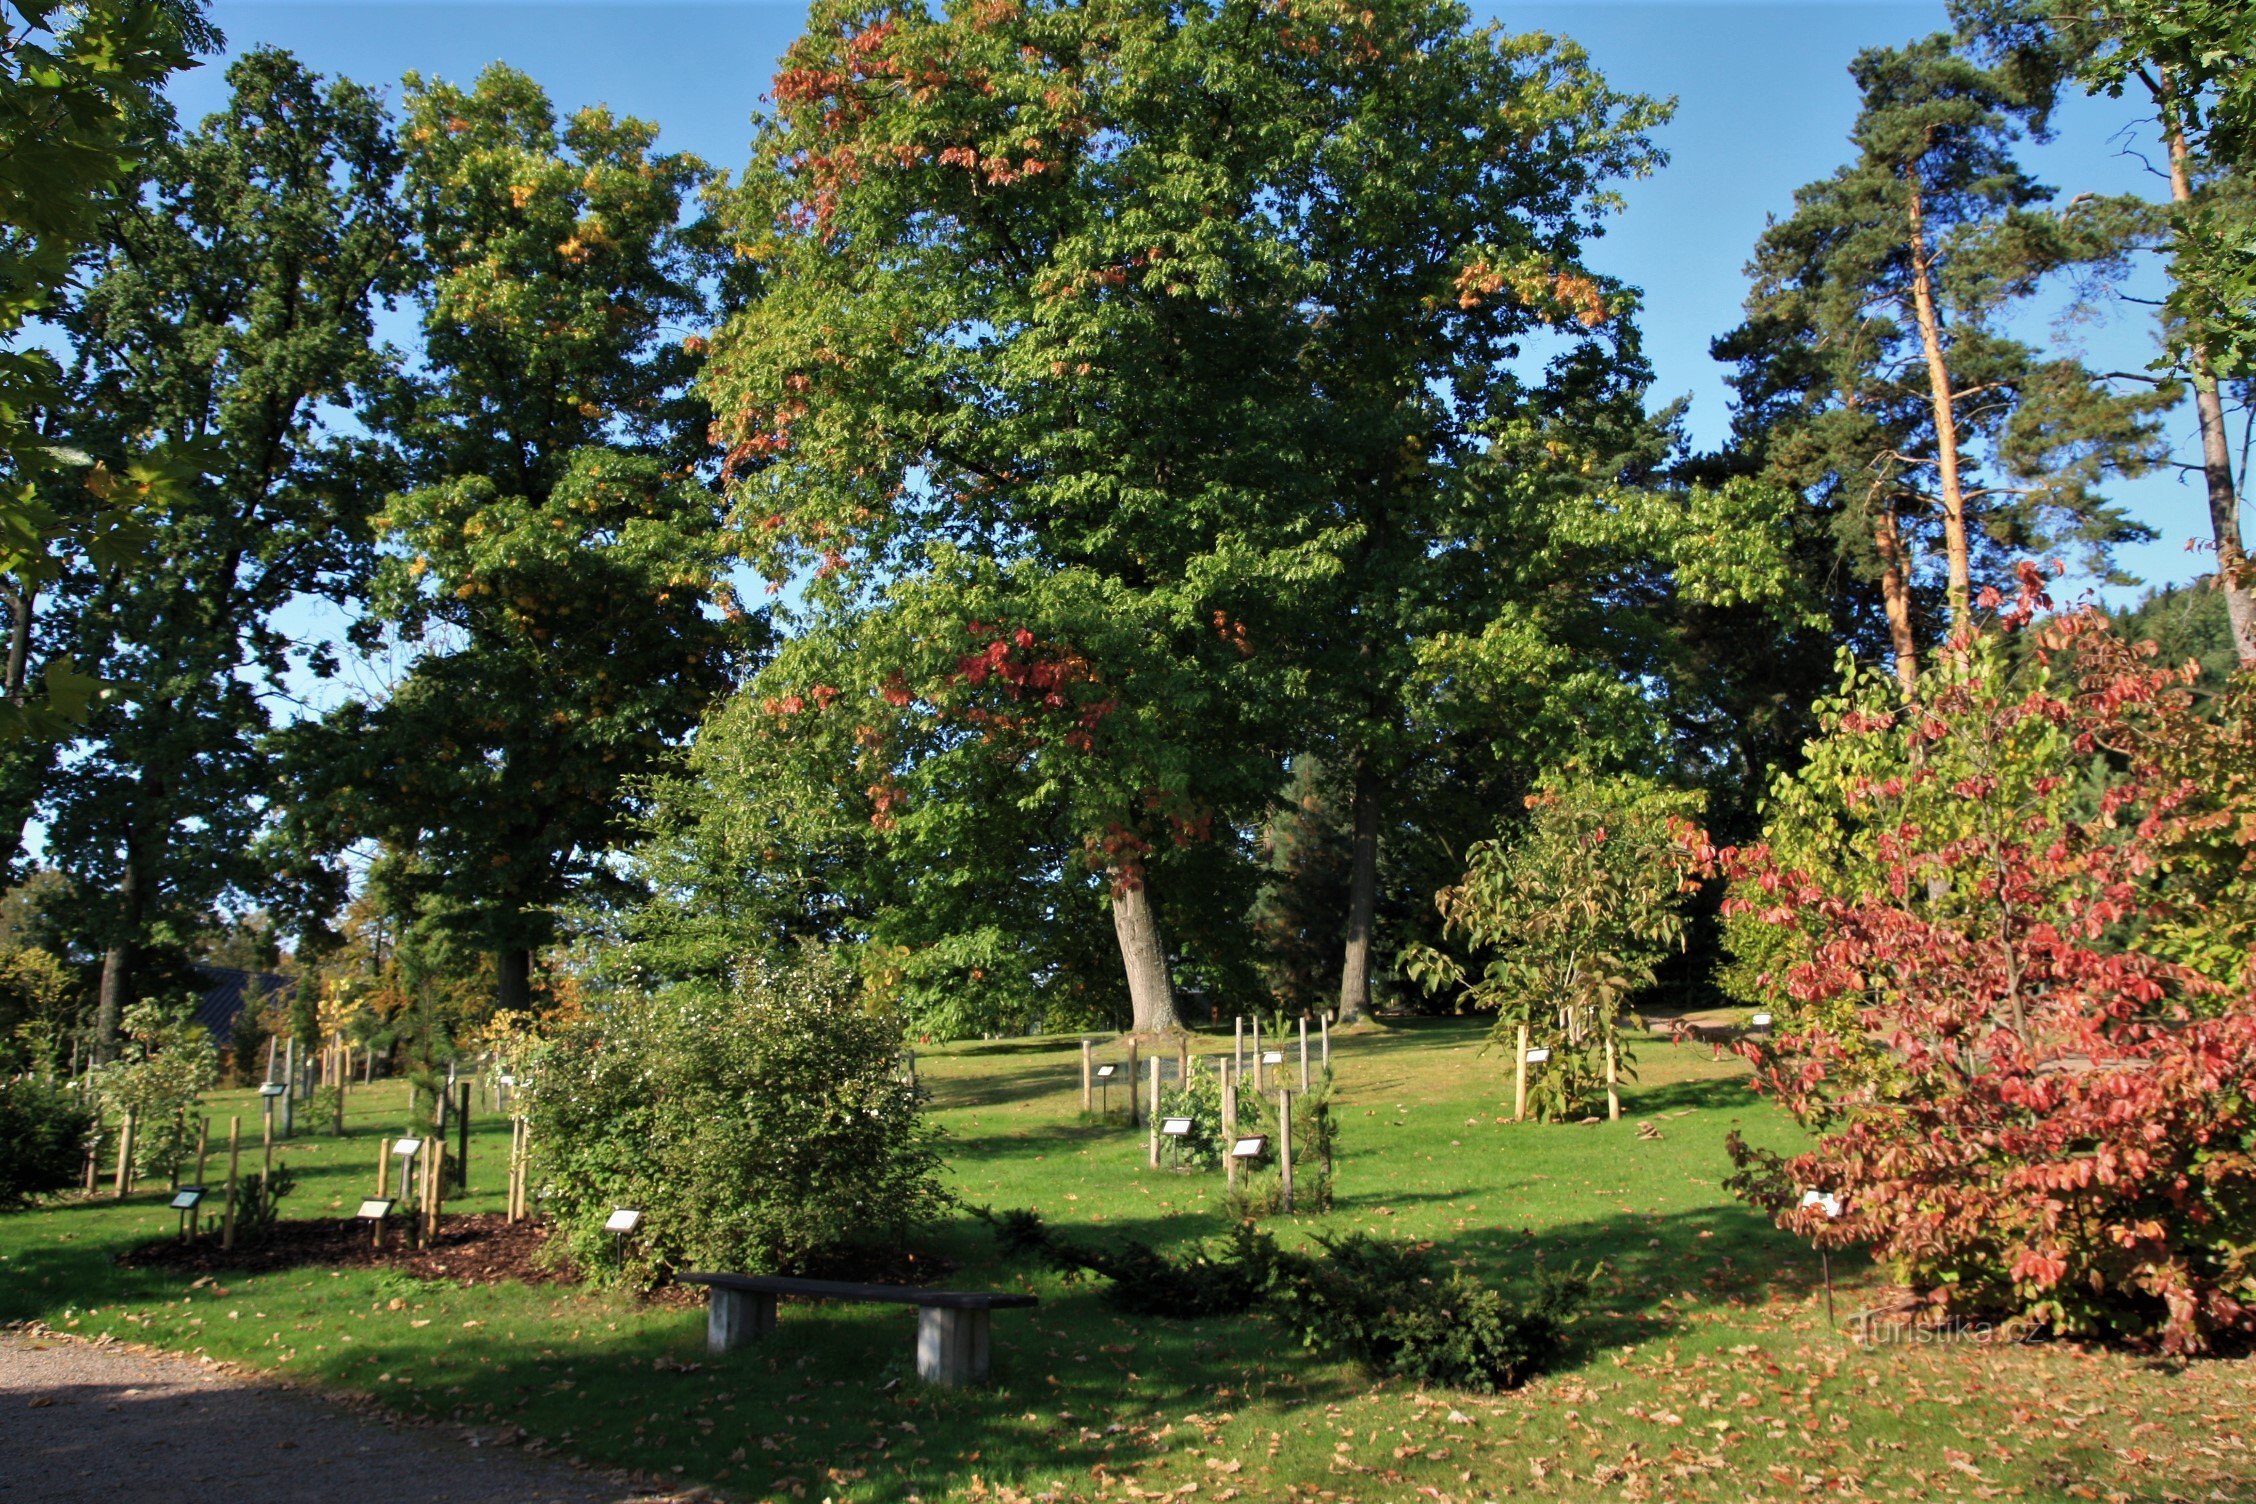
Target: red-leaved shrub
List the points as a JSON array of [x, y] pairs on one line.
[[2000, 922]]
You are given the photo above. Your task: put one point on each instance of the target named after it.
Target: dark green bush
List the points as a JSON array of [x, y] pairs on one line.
[[758, 1132], [1396, 1308], [258, 1203], [1209, 1281], [1393, 1307], [43, 1131]]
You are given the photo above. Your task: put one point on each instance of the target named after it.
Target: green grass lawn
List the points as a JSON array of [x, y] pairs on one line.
[[1706, 1370]]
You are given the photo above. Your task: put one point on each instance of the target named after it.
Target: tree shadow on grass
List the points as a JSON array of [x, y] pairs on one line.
[[1002, 1088], [830, 1401]]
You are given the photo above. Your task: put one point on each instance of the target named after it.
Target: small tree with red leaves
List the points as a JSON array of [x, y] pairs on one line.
[[1981, 912]]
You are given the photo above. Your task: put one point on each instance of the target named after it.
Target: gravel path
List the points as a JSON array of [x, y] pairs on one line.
[[87, 1424]]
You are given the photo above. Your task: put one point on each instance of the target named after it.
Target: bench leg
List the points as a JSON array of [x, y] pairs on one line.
[[952, 1346], [734, 1318]]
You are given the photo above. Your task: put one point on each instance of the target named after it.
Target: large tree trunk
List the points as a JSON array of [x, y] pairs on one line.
[[1143, 954], [1362, 897], [117, 962], [2216, 459], [513, 989], [20, 600], [1946, 418], [1895, 596]]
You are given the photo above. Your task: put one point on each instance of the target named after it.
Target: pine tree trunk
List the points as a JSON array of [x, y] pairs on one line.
[[514, 980], [1895, 597], [1362, 898], [1143, 954], [1961, 593], [2216, 460]]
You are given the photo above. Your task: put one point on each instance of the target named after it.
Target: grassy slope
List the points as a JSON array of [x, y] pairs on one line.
[[1707, 1371]]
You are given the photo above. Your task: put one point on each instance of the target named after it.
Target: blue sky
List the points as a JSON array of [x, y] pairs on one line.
[[1764, 105]]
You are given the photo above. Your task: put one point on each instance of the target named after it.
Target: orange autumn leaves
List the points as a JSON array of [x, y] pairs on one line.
[[1552, 295], [1021, 692]]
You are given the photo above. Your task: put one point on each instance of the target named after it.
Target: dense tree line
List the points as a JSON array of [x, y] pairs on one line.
[[1203, 489]]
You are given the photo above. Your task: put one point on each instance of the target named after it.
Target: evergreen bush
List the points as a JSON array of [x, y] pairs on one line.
[[1392, 1307], [43, 1130]]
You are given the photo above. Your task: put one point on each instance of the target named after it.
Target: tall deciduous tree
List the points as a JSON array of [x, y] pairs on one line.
[[553, 567], [2190, 59], [1192, 312], [232, 314], [80, 109], [1874, 373]]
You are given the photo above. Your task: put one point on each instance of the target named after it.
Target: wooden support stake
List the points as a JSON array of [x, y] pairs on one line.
[[234, 1166], [1613, 1084], [1237, 1051], [1134, 1112], [524, 1169], [93, 1159], [1153, 1115], [203, 1144], [1326, 1024], [1183, 1062], [266, 1135], [1229, 1120], [1284, 1146], [1519, 1078], [1088, 1077], [123, 1180], [383, 1167], [438, 1188]]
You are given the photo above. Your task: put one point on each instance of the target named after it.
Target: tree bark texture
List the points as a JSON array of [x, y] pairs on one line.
[[1143, 955], [2233, 576], [514, 985], [1895, 597], [1946, 418], [118, 961], [1362, 898]]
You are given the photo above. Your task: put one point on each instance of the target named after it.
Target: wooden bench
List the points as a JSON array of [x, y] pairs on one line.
[[952, 1325]]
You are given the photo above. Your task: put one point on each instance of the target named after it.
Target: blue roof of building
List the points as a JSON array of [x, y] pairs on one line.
[[226, 990]]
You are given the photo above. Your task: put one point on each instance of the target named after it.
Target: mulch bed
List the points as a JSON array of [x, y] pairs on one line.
[[474, 1248]]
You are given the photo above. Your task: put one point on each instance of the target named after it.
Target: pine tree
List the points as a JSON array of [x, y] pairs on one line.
[[1875, 375]]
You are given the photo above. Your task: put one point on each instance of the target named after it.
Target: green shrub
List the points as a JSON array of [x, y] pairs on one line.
[[1260, 1189], [167, 1064], [759, 1132], [1200, 1100], [43, 1130], [1394, 1308], [258, 1203], [1209, 1281]]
